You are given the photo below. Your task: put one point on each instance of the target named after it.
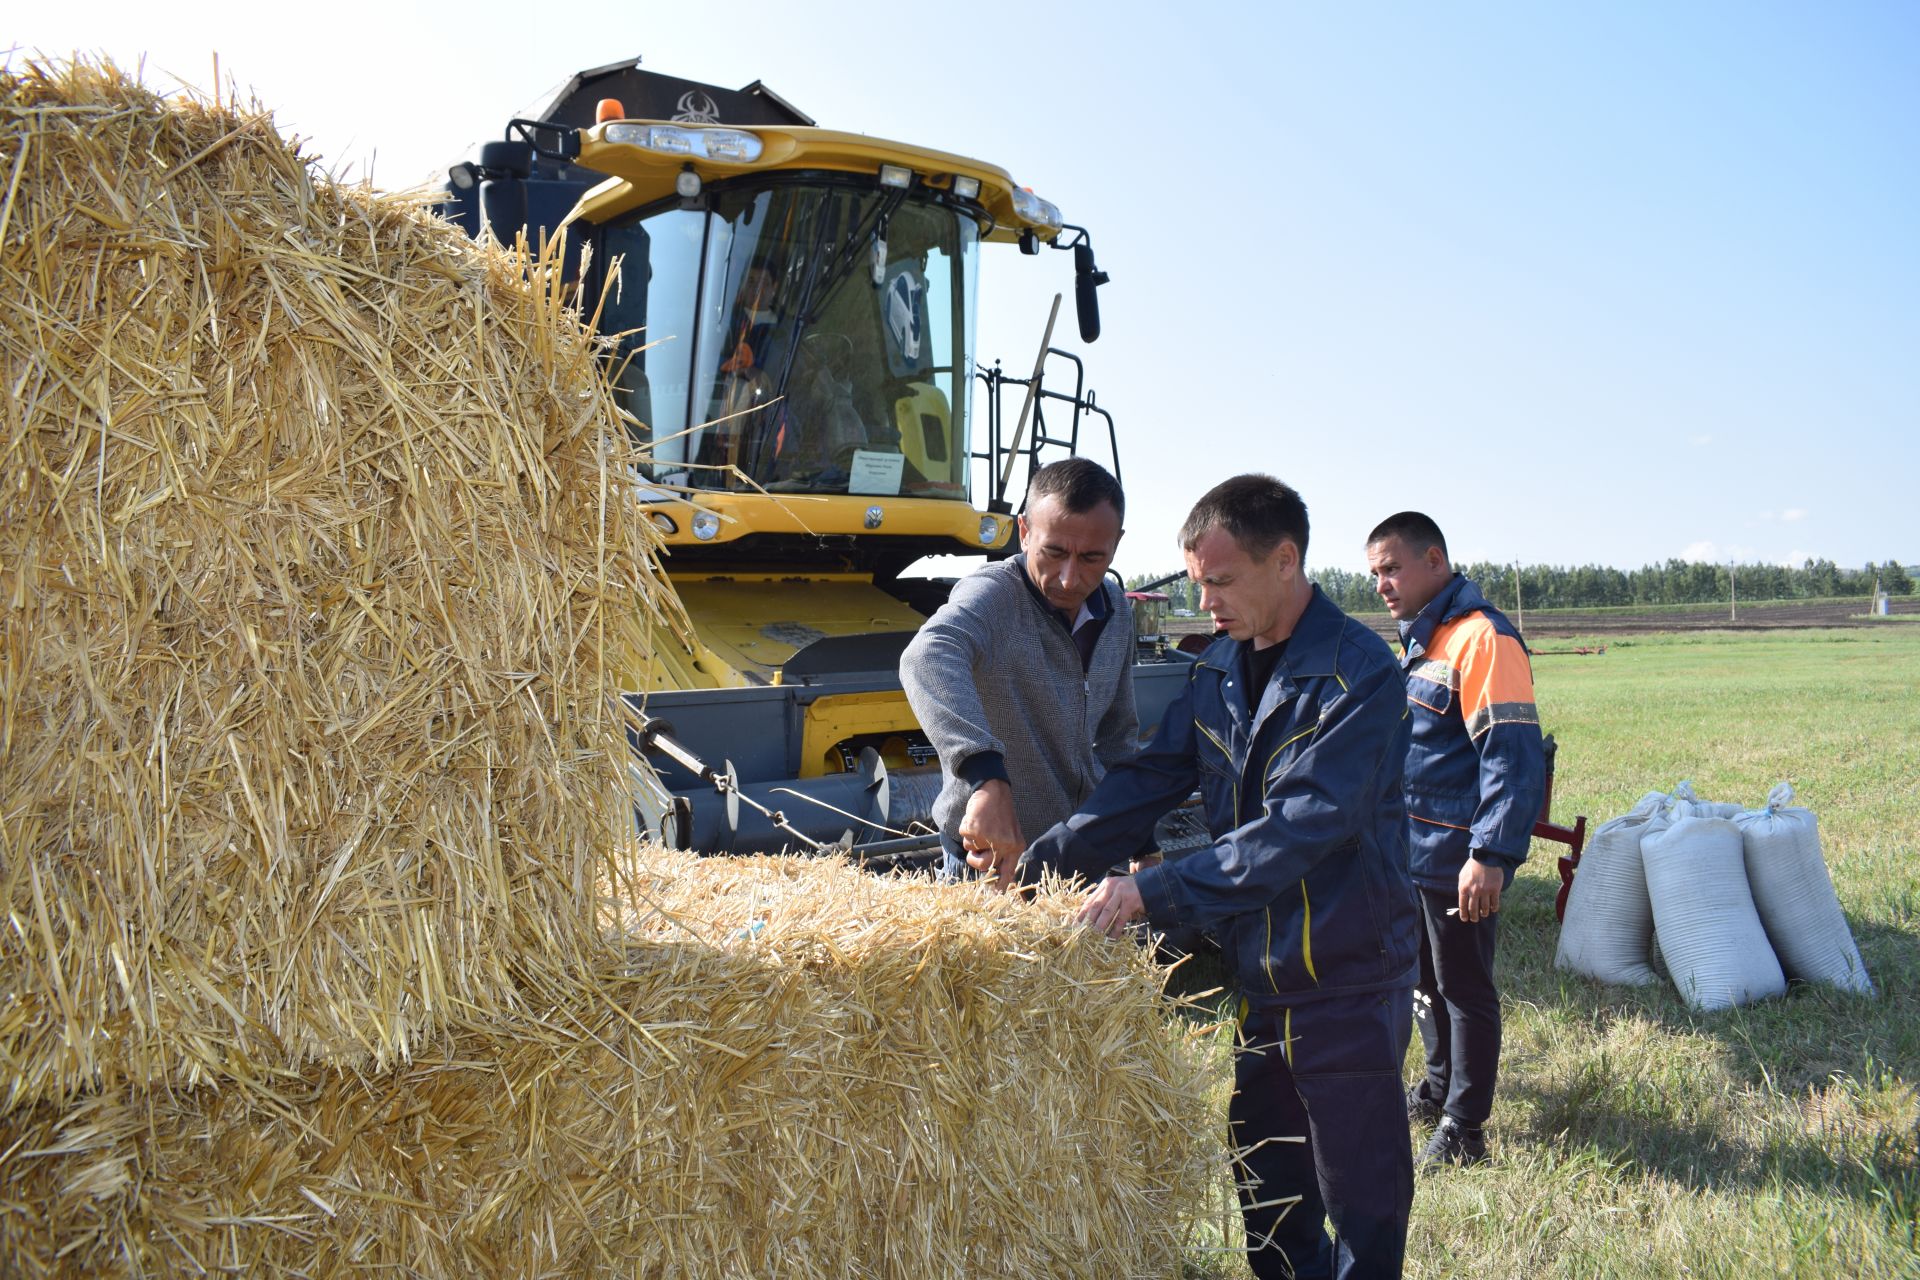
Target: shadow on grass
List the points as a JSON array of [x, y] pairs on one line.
[[1768, 1122], [1670, 1119]]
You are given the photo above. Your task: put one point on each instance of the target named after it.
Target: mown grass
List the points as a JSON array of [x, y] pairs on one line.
[[1635, 1137]]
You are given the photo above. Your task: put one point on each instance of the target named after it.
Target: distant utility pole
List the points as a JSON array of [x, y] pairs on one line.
[[1519, 606], [1733, 593]]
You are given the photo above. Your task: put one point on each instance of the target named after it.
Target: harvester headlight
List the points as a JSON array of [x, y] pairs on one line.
[[735, 146], [664, 522], [967, 188], [653, 137], [706, 525], [1032, 209], [989, 531], [731, 145], [896, 175]]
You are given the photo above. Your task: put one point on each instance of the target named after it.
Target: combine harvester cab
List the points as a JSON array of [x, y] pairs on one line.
[[791, 311]]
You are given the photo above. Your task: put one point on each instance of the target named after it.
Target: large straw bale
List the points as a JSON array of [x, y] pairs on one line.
[[318, 570], [800, 1071], [316, 567]]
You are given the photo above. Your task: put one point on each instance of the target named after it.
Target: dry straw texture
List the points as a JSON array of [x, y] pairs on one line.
[[315, 566], [317, 570], [801, 1071]]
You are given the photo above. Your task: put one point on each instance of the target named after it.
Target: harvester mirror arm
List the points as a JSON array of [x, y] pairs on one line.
[[1087, 279], [547, 138]]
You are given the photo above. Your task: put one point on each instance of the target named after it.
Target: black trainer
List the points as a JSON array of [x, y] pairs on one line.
[[1422, 1110], [1454, 1143]]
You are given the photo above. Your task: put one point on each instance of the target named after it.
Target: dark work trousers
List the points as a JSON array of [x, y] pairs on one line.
[[1318, 1097], [1458, 1009]]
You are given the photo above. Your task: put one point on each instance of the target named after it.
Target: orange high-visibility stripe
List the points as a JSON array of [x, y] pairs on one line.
[[1496, 680]]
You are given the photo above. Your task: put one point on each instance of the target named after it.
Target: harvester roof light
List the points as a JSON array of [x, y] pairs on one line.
[[735, 146], [1031, 208], [687, 183], [966, 188], [653, 137], [608, 109], [989, 531], [896, 175], [706, 525], [731, 144]]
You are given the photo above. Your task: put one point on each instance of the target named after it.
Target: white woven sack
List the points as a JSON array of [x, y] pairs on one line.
[[1683, 794], [1609, 918], [1671, 812], [1795, 897], [1710, 935]]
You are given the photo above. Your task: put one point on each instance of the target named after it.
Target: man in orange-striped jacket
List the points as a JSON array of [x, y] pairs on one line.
[[1475, 780]]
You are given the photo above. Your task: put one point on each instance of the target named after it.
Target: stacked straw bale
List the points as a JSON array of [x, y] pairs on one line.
[[799, 1070], [317, 568]]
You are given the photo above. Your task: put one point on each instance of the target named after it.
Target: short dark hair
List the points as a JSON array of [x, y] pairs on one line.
[[1081, 484], [1258, 511], [1415, 528]]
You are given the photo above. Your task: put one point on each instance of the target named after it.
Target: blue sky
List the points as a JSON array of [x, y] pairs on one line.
[[1587, 283]]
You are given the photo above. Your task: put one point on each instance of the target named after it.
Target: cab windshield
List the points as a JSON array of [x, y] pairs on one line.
[[806, 337]]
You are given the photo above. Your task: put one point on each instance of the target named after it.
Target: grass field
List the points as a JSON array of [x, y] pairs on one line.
[[1634, 1137]]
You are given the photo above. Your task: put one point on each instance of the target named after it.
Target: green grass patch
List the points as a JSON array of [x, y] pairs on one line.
[[1634, 1137]]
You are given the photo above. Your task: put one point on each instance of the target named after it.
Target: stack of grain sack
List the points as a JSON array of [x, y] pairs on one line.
[[1734, 902], [320, 566]]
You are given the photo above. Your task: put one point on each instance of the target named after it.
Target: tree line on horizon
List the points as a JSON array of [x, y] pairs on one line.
[[1587, 586]]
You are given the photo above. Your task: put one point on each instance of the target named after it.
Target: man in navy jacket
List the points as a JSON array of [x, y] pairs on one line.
[[1476, 777], [1294, 728]]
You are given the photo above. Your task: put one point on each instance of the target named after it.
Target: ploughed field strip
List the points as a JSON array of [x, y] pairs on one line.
[[326, 949], [1758, 616]]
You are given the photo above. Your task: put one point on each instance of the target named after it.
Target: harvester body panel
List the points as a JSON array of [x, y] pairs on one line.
[[789, 313]]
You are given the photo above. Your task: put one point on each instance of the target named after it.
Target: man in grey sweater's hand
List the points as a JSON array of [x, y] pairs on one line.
[[1023, 680], [990, 832]]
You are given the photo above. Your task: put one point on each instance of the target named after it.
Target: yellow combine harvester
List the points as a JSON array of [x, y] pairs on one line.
[[796, 308]]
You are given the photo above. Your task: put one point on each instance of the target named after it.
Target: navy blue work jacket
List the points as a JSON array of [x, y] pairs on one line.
[[1306, 883], [1476, 773]]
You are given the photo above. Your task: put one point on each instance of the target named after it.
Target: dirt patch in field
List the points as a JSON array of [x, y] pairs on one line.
[[1706, 617]]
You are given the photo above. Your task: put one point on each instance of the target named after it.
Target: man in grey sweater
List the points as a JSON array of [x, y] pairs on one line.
[[1023, 680]]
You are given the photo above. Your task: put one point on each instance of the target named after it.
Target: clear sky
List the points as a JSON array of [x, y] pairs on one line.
[[1600, 283]]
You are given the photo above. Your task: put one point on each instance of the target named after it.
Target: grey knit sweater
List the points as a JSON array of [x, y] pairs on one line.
[[993, 670]]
